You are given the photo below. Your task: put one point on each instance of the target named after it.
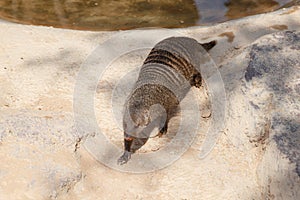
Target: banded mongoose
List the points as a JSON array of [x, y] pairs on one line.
[[164, 79]]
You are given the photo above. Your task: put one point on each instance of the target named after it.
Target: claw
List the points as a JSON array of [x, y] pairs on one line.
[[124, 158]]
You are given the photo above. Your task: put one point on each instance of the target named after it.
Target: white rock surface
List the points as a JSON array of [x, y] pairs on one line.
[[257, 156]]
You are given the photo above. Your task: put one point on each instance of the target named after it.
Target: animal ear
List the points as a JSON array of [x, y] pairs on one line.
[[146, 117], [208, 46], [142, 117]]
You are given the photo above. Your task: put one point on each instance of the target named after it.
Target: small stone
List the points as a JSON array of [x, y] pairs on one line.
[[206, 113], [237, 46]]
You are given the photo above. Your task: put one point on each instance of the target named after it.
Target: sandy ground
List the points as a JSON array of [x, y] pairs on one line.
[[38, 73]]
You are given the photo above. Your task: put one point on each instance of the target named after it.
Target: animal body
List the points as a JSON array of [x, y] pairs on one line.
[[166, 76]]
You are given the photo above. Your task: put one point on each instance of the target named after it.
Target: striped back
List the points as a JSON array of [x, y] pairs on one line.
[[163, 75], [170, 64], [177, 53]]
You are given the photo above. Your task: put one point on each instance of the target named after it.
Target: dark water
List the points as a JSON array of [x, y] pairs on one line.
[[131, 14]]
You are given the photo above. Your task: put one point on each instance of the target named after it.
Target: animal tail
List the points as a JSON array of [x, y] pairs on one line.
[[209, 45]]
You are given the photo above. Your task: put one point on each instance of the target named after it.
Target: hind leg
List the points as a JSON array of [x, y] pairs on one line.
[[196, 80], [164, 129]]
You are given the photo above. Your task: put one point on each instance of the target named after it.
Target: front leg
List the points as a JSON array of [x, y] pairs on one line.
[[163, 130], [124, 158], [127, 153]]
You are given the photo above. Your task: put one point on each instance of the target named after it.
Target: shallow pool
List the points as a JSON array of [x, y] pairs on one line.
[[131, 14]]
